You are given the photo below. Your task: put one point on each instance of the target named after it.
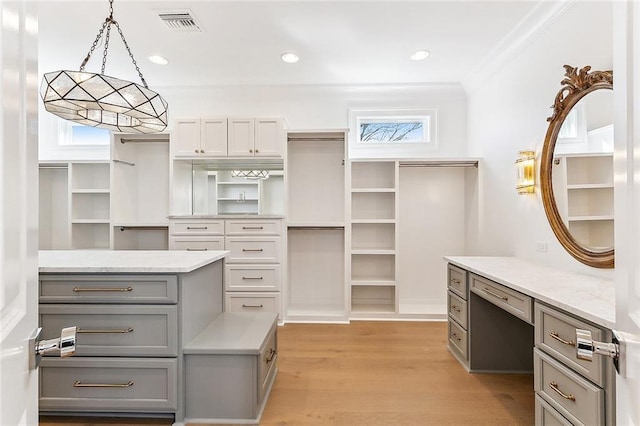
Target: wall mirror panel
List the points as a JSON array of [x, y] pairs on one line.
[[576, 168]]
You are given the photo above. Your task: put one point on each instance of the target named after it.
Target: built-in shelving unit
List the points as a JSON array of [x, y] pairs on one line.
[[373, 238], [237, 194], [315, 181], [89, 205], [584, 191]]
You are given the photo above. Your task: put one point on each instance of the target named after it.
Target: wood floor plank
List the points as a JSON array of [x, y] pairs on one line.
[[381, 373]]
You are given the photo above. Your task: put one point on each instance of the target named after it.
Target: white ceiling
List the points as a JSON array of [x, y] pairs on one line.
[[339, 42]]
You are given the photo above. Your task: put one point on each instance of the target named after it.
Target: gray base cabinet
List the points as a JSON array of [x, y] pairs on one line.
[[230, 368]]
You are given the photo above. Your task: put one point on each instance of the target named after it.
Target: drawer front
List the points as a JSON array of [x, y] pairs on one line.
[[577, 399], [253, 249], [457, 309], [546, 415], [196, 243], [511, 301], [252, 278], [267, 363], [196, 227], [108, 384], [458, 281], [458, 340], [115, 330], [555, 333], [260, 302], [252, 227], [108, 288]]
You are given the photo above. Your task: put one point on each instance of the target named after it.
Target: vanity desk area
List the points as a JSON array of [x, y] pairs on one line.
[[508, 315], [145, 321]]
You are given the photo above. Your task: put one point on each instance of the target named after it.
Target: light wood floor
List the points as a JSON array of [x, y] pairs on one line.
[[378, 373]]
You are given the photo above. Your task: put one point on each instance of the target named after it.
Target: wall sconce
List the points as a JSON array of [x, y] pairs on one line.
[[526, 172]]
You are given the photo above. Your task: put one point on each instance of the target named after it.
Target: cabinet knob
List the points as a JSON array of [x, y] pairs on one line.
[[256, 151], [202, 151], [196, 151], [251, 151]]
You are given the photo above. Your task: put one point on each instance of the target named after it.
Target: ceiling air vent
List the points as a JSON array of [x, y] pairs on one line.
[[182, 20]]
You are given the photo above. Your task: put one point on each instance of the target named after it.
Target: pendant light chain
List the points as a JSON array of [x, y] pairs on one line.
[[107, 25]]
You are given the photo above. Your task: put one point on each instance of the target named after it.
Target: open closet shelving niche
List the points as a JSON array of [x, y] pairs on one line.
[[316, 181], [119, 204]]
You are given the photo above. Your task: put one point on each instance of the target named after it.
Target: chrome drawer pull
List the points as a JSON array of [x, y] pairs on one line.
[[253, 250], [561, 340], [455, 281], [79, 384], [270, 357], [197, 227], [252, 306], [252, 227], [554, 386], [252, 278], [455, 336], [80, 289], [455, 308], [196, 249], [505, 298], [105, 331]]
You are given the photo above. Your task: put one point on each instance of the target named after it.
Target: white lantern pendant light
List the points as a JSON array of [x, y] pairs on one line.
[[102, 101]]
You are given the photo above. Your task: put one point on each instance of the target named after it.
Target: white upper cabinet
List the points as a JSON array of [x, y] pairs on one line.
[[200, 137], [222, 137]]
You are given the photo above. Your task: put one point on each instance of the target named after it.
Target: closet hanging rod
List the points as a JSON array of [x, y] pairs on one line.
[[442, 164], [316, 228], [123, 141], [46, 166], [310, 139], [124, 162], [144, 228]]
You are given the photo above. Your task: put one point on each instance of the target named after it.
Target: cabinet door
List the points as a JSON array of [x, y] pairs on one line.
[[213, 136], [185, 140], [268, 137], [240, 137]]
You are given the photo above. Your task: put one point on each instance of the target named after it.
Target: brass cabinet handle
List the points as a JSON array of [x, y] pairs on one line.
[[455, 308], [197, 249], [252, 306], [252, 278], [455, 281], [554, 386], [271, 356], [252, 227], [505, 298], [197, 227], [79, 384], [556, 336], [105, 331], [252, 250], [80, 289], [455, 336]]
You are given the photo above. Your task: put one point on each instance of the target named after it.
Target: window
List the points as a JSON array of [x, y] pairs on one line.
[[401, 130], [79, 135]]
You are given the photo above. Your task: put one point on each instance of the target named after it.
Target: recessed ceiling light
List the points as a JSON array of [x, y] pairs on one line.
[[420, 55], [157, 59], [289, 57]]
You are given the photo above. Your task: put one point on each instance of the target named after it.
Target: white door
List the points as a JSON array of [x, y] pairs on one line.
[[18, 210], [626, 88]]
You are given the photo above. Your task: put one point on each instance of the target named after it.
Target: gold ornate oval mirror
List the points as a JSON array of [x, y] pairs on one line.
[[576, 167]]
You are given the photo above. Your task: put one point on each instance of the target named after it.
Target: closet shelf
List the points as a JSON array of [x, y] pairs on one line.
[[373, 190], [374, 283], [590, 218], [385, 252], [590, 186], [90, 191]]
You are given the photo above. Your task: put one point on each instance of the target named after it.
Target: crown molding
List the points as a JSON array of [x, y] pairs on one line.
[[530, 28]]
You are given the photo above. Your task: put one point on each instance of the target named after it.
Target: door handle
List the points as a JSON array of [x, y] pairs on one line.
[[586, 347], [66, 344]]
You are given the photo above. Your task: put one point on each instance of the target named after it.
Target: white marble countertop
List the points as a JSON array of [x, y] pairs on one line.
[[588, 297], [227, 216], [233, 333], [125, 261]]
